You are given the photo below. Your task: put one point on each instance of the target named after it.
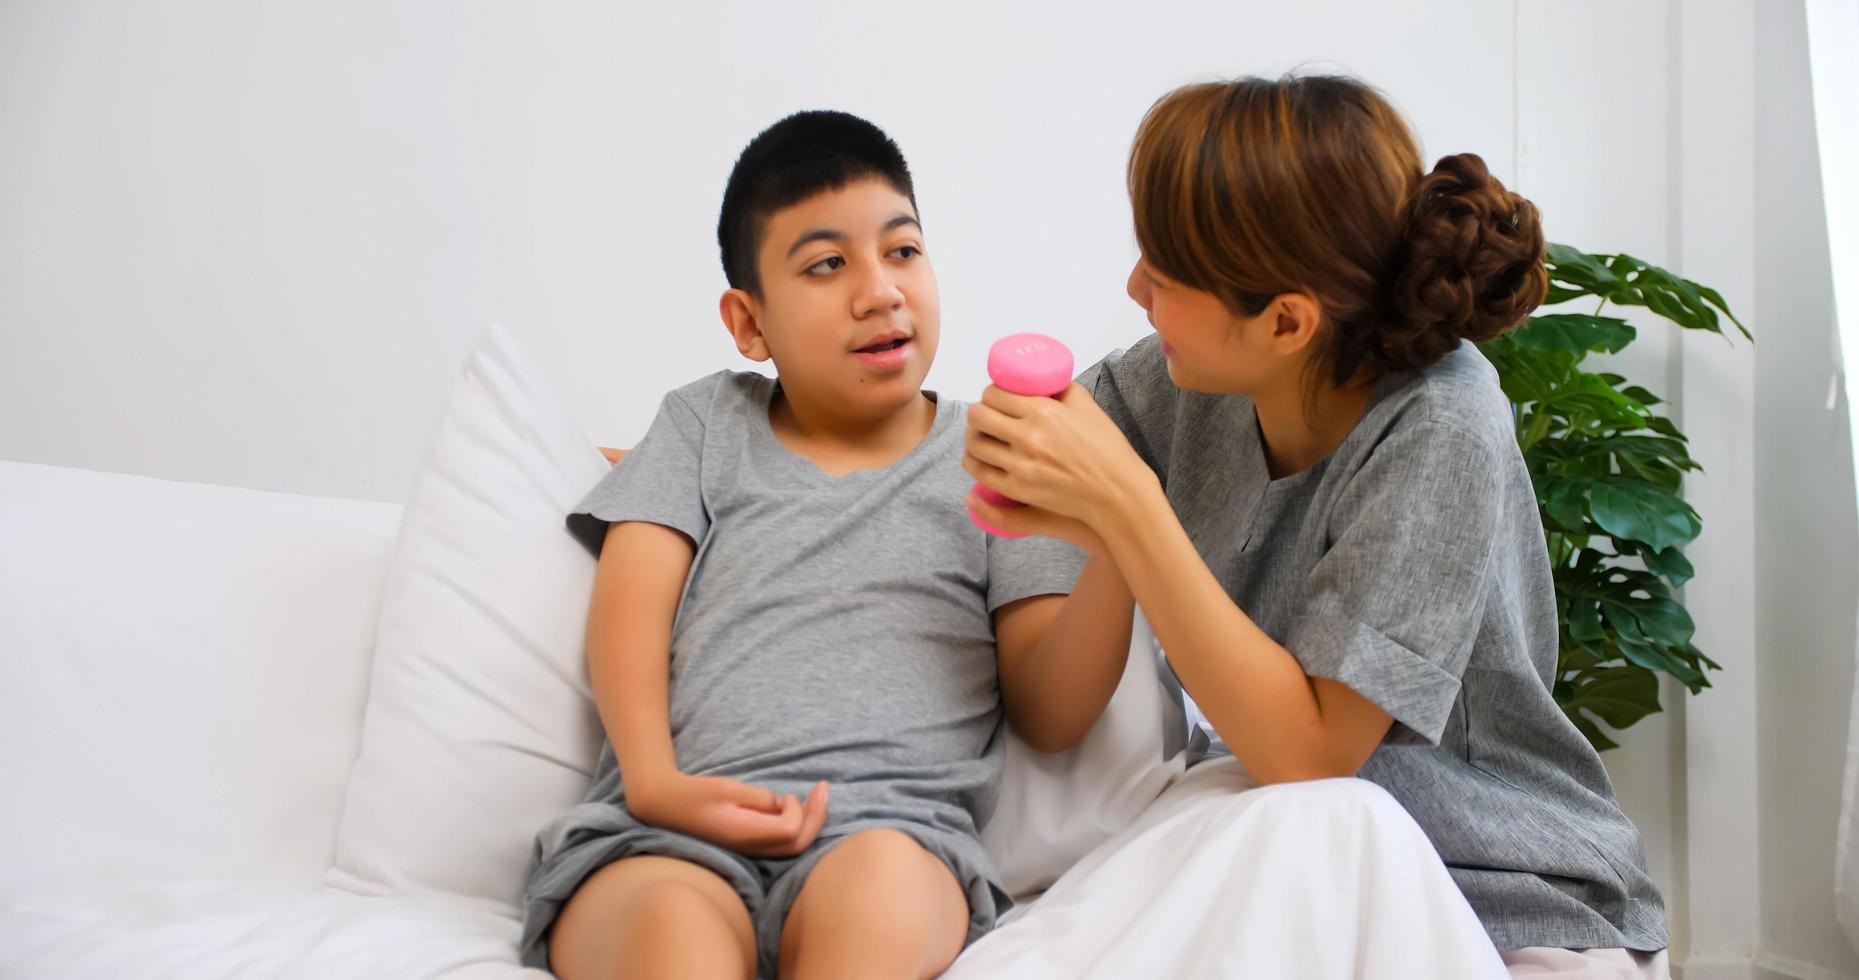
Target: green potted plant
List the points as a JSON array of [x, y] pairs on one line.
[[1608, 470]]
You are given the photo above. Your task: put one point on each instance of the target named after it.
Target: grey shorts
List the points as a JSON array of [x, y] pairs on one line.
[[597, 834]]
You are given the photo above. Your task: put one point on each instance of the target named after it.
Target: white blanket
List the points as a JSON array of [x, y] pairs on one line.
[[1329, 879]]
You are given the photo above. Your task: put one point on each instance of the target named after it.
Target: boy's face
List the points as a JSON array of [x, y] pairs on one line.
[[849, 311]]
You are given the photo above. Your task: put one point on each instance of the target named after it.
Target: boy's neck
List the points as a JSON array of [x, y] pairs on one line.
[[840, 443]]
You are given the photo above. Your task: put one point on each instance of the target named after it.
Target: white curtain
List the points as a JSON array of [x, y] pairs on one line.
[[1833, 55]]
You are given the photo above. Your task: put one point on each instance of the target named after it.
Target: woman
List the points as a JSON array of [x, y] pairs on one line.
[[1309, 480]]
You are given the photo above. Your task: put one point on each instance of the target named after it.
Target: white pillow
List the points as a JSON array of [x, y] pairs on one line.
[[480, 723], [1054, 808]]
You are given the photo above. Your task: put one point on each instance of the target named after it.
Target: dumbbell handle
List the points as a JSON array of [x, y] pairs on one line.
[[1025, 364]]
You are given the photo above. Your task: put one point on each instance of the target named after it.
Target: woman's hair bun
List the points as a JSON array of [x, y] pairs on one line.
[[1469, 265]]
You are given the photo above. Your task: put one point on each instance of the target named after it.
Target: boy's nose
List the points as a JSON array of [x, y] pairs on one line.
[[877, 294]]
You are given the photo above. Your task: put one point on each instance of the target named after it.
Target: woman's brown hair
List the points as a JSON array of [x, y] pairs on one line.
[[1255, 187]]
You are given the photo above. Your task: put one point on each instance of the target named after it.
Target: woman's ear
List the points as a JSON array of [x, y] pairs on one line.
[[742, 318], [1295, 318]]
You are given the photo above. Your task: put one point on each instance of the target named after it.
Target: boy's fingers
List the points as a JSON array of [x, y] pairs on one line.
[[754, 797], [816, 814], [742, 827], [779, 839], [792, 818]]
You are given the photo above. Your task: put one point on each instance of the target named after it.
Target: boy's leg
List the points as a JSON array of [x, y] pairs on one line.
[[877, 905], [652, 916]]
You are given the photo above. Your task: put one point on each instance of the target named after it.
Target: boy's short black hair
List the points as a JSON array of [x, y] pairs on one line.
[[805, 154]]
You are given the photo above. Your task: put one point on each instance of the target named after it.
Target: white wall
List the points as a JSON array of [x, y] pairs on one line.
[[1807, 553], [249, 245]]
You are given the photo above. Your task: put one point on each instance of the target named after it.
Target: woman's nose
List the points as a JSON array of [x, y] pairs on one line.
[[1138, 286]]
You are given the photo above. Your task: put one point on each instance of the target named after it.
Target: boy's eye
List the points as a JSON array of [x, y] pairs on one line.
[[906, 251], [825, 265]]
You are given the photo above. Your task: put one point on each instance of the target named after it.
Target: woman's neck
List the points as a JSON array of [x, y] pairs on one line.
[[1298, 427]]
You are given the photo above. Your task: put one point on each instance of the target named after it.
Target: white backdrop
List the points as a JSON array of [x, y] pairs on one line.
[[1833, 41], [249, 243]]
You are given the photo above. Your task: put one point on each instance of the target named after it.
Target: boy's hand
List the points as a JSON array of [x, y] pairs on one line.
[[747, 819], [613, 455]]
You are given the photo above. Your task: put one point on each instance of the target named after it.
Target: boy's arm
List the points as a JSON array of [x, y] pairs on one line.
[[1061, 657], [637, 582]]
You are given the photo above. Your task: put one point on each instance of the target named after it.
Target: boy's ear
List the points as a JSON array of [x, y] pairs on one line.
[[742, 319]]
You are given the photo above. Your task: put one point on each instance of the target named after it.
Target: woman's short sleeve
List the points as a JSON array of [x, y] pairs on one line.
[[1394, 605], [1133, 388]]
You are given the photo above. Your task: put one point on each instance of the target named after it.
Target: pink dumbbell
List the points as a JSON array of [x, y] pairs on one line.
[[1025, 364]]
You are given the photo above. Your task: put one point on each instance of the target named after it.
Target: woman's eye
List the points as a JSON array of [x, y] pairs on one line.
[[825, 265]]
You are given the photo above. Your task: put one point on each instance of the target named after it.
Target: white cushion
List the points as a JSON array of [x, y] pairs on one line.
[[1054, 808], [183, 670], [480, 722]]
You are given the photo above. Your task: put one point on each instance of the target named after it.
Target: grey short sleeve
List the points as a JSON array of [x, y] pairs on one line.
[[1392, 609], [659, 481], [1019, 568], [1132, 387]]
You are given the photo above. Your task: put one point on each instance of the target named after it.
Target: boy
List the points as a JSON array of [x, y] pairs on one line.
[[792, 605]]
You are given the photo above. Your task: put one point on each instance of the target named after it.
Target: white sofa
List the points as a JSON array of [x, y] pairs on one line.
[[254, 734], [195, 780]]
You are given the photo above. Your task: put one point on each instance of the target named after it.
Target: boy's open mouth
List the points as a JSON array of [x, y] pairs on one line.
[[884, 346]]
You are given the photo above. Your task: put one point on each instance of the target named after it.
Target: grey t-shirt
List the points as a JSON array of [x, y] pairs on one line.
[[833, 628], [1410, 565]]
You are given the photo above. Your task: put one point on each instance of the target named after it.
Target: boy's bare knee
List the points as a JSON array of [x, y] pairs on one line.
[[878, 899], [674, 908], [881, 857], [637, 908]]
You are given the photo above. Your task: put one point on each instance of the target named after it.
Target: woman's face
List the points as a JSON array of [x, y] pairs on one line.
[[1209, 348]]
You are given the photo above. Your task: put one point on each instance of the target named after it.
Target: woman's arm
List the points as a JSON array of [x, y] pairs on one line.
[[1061, 657], [1072, 463], [1281, 724]]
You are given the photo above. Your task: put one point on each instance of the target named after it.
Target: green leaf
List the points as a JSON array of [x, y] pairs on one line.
[[1618, 695], [1566, 503], [1584, 618], [1642, 396], [1574, 332], [1652, 657], [1665, 621], [1637, 511], [1672, 564], [1590, 731], [1578, 268], [1715, 298]]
